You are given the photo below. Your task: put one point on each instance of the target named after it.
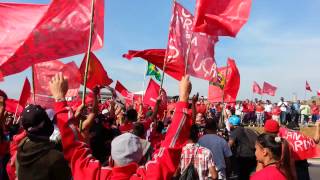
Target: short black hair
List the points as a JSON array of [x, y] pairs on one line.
[[138, 129], [211, 124], [132, 115], [194, 133]]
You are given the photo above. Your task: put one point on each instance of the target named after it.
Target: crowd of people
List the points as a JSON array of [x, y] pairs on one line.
[[186, 138]]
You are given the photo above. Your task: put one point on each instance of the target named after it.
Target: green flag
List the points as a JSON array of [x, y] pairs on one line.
[[153, 71]]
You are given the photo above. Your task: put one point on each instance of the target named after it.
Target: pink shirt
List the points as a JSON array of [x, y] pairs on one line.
[[268, 173]]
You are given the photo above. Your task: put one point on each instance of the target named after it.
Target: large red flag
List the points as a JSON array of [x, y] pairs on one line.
[[36, 33], [123, 91], [256, 88], [200, 57], [13, 106], [269, 89], [151, 95], [97, 75], [221, 18], [43, 72], [227, 85], [308, 87], [25, 93]]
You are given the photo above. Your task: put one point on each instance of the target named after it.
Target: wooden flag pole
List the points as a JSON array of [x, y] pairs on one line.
[[87, 59], [221, 124], [166, 57], [33, 85]]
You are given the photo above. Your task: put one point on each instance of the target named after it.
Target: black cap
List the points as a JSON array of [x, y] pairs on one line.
[[36, 122]]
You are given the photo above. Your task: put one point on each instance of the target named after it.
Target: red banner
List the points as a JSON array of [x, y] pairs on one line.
[[256, 88], [303, 147], [151, 95], [13, 106], [201, 63], [36, 33], [227, 85], [97, 75], [43, 72], [269, 89], [221, 18], [123, 91]]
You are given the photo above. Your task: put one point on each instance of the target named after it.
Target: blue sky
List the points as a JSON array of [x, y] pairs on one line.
[[279, 44]]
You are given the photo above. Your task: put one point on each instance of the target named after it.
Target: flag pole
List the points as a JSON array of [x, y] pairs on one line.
[[144, 80], [88, 58], [221, 124], [166, 57], [33, 85]]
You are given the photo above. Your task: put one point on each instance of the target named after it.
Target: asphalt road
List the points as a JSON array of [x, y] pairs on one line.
[[314, 169]]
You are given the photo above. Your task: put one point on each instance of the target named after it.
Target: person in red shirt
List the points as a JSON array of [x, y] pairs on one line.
[[276, 111], [252, 114], [126, 150], [260, 113], [314, 111], [274, 154], [130, 117]]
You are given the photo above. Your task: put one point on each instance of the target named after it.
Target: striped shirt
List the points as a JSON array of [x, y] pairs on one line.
[[202, 162]]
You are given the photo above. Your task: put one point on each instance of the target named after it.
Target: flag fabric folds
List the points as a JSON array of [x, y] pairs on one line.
[[269, 89], [221, 18], [308, 87], [197, 48], [36, 33], [256, 88], [123, 91], [153, 71], [227, 86], [97, 75]]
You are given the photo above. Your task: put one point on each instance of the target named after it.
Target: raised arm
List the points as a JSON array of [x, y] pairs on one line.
[[76, 152]]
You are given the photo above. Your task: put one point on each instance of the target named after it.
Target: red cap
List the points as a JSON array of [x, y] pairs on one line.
[[271, 126]]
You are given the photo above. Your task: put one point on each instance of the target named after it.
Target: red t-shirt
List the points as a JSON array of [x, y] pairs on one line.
[[126, 127], [201, 108], [245, 108], [259, 108], [250, 107], [276, 111], [268, 173], [314, 109]]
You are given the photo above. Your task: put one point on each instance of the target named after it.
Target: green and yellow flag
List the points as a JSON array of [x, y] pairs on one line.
[[153, 71]]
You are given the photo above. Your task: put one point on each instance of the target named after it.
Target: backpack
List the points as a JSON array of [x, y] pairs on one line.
[[190, 173]]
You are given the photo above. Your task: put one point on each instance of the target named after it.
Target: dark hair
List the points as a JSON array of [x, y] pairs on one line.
[[194, 132], [280, 152], [132, 115], [211, 124], [3, 94], [138, 130], [160, 126]]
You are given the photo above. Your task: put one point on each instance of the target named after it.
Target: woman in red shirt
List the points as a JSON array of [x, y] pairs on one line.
[[274, 154]]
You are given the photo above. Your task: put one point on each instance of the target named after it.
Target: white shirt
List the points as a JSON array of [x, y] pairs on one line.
[[283, 106], [268, 108]]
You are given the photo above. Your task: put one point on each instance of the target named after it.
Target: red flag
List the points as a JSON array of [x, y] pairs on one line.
[[152, 93], [227, 84], [200, 61], [11, 106], [269, 89], [43, 74], [303, 147], [25, 93], [256, 88], [308, 87], [318, 93], [36, 33], [221, 18], [123, 91], [97, 75]]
